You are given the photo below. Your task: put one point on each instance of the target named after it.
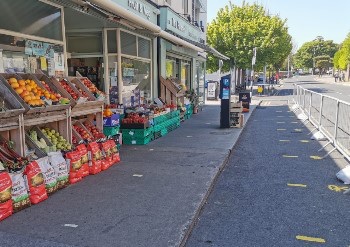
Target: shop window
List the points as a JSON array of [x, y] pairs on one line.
[[112, 41], [186, 73], [128, 44], [136, 82], [172, 67], [31, 17], [144, 48], [113, 79], [23, 55]]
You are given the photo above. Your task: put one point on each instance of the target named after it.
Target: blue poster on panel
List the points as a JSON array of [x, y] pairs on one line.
[[38, 48]]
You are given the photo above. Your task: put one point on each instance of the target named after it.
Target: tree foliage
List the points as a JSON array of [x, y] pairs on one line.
[[342, 57], [304, 57], [238, 29]]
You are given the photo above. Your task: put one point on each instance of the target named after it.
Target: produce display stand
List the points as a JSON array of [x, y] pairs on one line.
[[57, 116], [92, 108], [11, 117]]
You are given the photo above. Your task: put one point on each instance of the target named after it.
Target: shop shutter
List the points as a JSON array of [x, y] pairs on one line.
[[144, 48], [128, 44]]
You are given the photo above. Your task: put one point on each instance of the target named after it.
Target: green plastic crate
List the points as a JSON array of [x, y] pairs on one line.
[[137, 140], [111, 131], [137, 132]]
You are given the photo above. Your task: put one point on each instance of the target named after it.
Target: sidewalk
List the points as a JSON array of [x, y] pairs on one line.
[[149, 199]]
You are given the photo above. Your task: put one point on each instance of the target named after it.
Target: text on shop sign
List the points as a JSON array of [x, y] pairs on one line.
[[140, 8]]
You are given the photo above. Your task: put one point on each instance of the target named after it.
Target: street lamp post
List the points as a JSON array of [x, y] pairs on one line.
[[313, 61]]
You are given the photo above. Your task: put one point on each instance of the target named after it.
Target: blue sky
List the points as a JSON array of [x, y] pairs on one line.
[[306, 19]]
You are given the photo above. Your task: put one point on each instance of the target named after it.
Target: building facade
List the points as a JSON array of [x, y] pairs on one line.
[[122, 46]]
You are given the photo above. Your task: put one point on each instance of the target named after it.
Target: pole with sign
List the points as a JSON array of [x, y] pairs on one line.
[[225, 96]]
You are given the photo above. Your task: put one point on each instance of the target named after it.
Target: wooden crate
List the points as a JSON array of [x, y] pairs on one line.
[[30, 110], [53, 86], [78, 82], [82, 108], [170, 92]]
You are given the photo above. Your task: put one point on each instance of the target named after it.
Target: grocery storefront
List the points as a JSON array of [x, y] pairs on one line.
[[178, 61], [70, 72]]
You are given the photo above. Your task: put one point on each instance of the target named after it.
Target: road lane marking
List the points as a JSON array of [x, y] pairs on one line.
[[137, 175], [297, 185], [280, 116], [71, 225], [290, 156], [278, 111], [294, 122], [315, 157], [338, 93], [304, 141], [281, 129], [281, 122], [284, 140], [310, 239], [337, 188]]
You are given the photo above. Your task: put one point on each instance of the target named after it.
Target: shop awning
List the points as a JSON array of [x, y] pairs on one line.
[[209, 49], [114, 8], [217, 54]]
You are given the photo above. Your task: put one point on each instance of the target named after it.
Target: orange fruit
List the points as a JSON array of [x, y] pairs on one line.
[[12, 80], [27, 98], [14, 85], [24, 93], [29, 88], [21, 82], [19, 91]]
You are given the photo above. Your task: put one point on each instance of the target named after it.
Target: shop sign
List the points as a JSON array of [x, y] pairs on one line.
[[177, 25], [140, 7]]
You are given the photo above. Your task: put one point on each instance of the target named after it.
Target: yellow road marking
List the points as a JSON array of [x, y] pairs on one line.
[[281, 122], [337, 188], [315, 157], [297, 185], [290, 156], [304, 141], [284, 140], [281, 129], [310, 239]]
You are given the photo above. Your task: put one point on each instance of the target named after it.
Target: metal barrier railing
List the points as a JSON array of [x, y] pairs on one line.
[[328, 115]]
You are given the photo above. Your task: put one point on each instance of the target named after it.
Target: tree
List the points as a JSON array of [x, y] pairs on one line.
[[238, 29], [323, 62], [342, 57], [304, 57]]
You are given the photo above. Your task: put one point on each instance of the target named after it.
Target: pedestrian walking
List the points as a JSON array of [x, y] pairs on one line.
[[260, 90], [336, 76], [342, 76]]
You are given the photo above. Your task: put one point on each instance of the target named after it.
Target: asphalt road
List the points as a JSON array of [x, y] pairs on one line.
[[324, 85], [272, 193]]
